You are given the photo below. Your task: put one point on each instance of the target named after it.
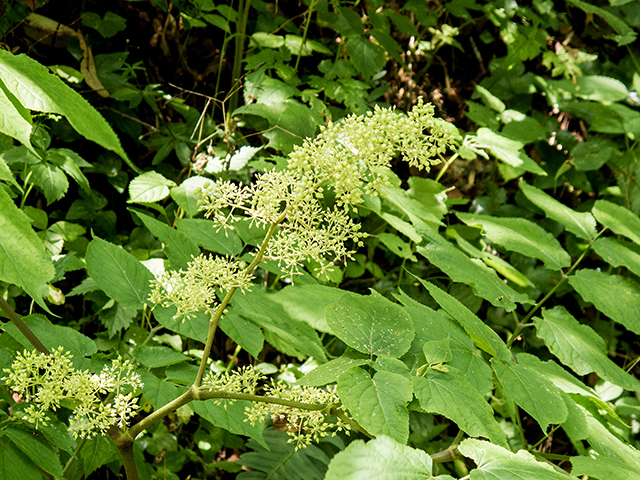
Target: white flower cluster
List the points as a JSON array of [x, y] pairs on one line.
[[47, 380], [244, 380]]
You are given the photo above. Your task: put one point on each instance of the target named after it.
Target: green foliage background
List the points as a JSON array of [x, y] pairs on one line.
[[487, 329]]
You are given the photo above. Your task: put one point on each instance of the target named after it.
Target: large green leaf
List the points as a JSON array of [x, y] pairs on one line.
[[36, 448], [230, 416], [98, 451], [380, 459], [451, 395], [537, 395], [619, 253], [509, 151], [23, 261], [581, 224], [460, 268], [330, 371], [379, 404], [179, 248], [615, 296], [196, 327], [602, 469], [497, 463], [15, 120], [15, 465], [371, 324], [483, 336], [118, 273], [36, 88], [149, 187], [522, 236], [51, 180], [203, 232], [245, 333], [618, 219], [366, 56], [580, 347], [154, 357], [308, 303]]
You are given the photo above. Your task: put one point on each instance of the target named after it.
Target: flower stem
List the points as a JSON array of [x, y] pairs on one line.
[[26, 331]]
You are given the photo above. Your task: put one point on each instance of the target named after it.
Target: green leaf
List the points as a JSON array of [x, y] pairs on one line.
[[154, 357], [490, 100], [601, 89], [231, 417], [371, 324], [196, 328], [38, 89], [149, 187], [366, 56], [23, 260], [204, 233], [107, 26], [185, 194], [536, 394], [507, 150], [581, 224], [483, 336], [179, 248], [118, 273], [330, 371], [437, 351], [117, 318], [522, 236], [602, 469], [15, 120], [70, 162], [98, 451], [592, 154], [36, 448], [402, 226], [615, 296], [460, 268], [580, 347], [308, 303], [495, 462], [619, 253], [380, 459], [7, 175], [451, 395], [15, 465], [618, 219], [397, 246], [158, 392], [379, 404], [245, 333], [51, 180]]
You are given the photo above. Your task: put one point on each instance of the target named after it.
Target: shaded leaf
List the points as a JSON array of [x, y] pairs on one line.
[[618, 253], [330, 371], [204, 233], [15, 465], [36, 448], [618, 219], [245, 333], [154, 357], [602, 469]]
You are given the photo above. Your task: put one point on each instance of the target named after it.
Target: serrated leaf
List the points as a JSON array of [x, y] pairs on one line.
[[38, 89], [581, 224], [380, 459], [15, 120], [15, 465], [618, 219], [371, 324], [23, 261], [51, 180], [154, 357], [231, 417], [397, 246], [379, 404], [507, 150], [149, 187], [118, 273], [366, 56], [533, 392], [196, 328], [185, 194], [179, 248], [245, 333], [204, 233], [601, 89], [522, 236], [330, 371], [602, 469], [7, 175], [36, 448], [580, 347], [615, 296], [98, 451], [451, 395], [460, 268], [70, 162], [495, 462], [117, 318], [483, 336], [618, 253]]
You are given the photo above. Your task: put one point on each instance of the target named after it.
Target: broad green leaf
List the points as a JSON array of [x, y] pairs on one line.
[[179, 248], [15, 120], [618, 219], [437, 351], [51, 179], [149, 187], [118, 273], [185, 196], [602, 469], [57, 433], [483, 336], [366, 56], [158, 392], [490, 100], [536, 394], [497, 463], [98, 451], [619, 253], [507, 150], [522, 236], [451, 395], [15, 465], [38, 89], [70, 162], [245, 333], [380, 459], [308, 303], [402, 226], [330, 371], [117, 318], [399, 198], [581, 224], [592, 154], [154, 357], [231, 417], [615, 296], [460, 268], [36, 448], [601, 89], [580, 347], [397, 246], [379, 404], [196, 327], [204, 233], [371, 324], [23, 260], [7, 175]]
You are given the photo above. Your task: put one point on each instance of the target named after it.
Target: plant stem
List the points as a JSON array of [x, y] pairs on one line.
[[26, 331], [243, 10], [451, 453], [304, 35], [523, 439], [72, 460]]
